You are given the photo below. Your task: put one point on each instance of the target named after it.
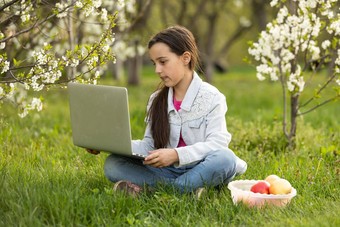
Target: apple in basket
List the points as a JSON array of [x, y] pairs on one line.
[[280, 187], [261, 187], [270, 179]]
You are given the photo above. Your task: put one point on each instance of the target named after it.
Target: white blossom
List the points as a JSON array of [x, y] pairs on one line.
[[260, 76], [41, 57], [36, 104], [283, 13], [23, 114], [140, 50], [130, 6], [334, 27], [273, 3], [337, 61], [44, 64], [79, 4], [74, 63], [264, 69], [316, 28], [61, 15], [338, 81], [301, 84], [97, 3], [88, 10], [10, 94], [238, 3], [61, 7], [2, 44], [273, 76], [245, 22], [105, 48], [27, 87], [5, 67], [290, 86], [97, 74], [25, 17], [330, 15], [325, 44], [315, 50], [103, 16]]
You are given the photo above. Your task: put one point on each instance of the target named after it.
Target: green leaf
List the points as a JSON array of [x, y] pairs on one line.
[[246, 59], [16, 63], [316, 95], [334, 42]]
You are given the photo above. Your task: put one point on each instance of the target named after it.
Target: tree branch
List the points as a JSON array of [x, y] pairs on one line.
[[141, 17], [322, 59], [319, 91], [192, 20], [182, 11], [235, 36], [282, 80], [33, 26], [8, 4], [163, 6], [319, 105]]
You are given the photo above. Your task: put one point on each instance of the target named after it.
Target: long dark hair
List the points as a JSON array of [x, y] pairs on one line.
[[179, 40]]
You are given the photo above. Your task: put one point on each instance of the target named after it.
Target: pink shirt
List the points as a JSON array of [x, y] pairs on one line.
[[177, 105]]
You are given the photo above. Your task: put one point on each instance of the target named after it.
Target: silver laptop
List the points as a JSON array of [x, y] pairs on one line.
[[100, 118]]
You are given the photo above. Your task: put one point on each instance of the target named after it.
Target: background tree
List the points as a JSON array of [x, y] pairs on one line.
[[216, 24], [135, 33], [38, 43], [260, 12], [303, 38]]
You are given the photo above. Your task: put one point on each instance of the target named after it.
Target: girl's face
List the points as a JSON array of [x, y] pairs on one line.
[[170, 67]]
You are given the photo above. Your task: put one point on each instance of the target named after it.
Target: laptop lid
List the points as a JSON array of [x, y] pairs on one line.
[[100, 117]]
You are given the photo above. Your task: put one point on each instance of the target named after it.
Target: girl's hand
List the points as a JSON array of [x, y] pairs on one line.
[[92, 151], [161, 158]]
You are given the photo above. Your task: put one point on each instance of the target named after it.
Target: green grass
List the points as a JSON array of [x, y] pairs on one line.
[[45, 180]]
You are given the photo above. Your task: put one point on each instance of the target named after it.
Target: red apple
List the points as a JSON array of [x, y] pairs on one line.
[[260, 187], [280, 187], [270, 179]]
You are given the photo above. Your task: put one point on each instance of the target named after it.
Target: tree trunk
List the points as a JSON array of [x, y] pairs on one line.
[[331, 66], [71, 71], [134, 66], [209, 70], [294, 98], [260, 13], [293, 6], [209, 59]]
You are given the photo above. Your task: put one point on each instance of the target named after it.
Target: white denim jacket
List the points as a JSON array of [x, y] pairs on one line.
[[201, 120]]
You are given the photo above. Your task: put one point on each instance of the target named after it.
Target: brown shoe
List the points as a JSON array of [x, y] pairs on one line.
[[129, 187]]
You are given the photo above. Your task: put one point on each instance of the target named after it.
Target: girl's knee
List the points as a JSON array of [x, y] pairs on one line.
[[223, 157], [109, 162], [111, 167]]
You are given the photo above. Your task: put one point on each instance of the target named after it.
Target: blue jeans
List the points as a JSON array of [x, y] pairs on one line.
[[218, 167]]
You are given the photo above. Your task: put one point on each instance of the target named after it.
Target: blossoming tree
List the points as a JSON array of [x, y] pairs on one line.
[[304, 37], [45, 44]]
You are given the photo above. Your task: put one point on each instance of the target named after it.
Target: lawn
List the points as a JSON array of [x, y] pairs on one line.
[[46, 180]]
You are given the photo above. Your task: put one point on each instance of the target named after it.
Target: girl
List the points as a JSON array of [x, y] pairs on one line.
[[186, 135]]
